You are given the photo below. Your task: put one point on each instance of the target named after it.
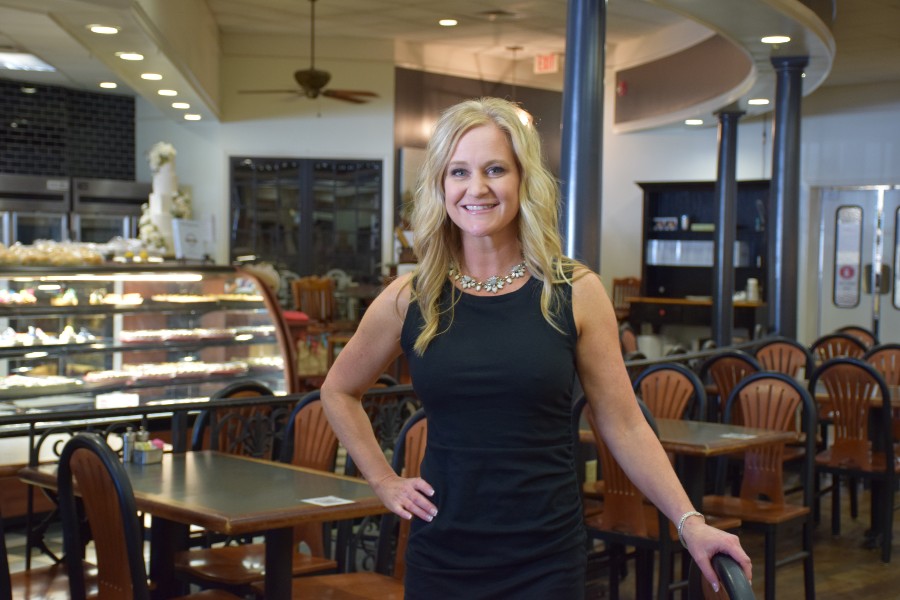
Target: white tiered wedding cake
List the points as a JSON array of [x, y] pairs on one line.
[[167, 201]]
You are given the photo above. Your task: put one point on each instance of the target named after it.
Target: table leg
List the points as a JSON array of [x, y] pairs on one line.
[[279, 558], [693, 478], [166, 538]]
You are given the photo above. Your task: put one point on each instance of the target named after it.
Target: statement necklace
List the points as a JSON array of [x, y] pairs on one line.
[[492, 284]]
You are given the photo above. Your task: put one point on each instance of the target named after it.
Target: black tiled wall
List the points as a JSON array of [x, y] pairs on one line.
[[65, 132]]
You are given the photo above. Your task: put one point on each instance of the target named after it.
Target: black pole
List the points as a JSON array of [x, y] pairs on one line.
[[726, 223], [582, 131], [784, 196]]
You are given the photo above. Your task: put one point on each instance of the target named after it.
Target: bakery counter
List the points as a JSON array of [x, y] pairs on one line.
[[139, 326]]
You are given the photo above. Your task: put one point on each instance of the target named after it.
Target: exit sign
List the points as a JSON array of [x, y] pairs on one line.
[[546, 63]]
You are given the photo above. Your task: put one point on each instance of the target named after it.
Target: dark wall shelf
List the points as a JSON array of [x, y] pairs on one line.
[[694, 201]]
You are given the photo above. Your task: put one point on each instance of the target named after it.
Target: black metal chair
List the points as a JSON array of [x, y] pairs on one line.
[[771, 401], [862, 448], [109, 505], [671, 391]]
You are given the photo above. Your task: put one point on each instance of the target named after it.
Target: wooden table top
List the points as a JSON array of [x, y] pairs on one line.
[[700, 438], [704, 439], [234, 495]]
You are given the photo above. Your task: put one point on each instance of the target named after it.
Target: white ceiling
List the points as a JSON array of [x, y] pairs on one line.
[[866, 32]]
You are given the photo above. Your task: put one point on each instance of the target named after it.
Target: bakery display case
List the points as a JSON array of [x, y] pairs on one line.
[[135, 335]]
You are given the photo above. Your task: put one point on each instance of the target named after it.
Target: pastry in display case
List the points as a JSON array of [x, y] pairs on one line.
[[161, 332]]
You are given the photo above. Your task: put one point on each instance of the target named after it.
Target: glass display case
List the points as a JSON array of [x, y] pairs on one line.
[[119, 336]]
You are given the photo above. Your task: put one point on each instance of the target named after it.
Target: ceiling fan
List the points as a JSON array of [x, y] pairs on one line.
[[312, 81]]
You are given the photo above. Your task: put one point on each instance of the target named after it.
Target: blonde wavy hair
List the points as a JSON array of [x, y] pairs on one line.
[[437, 240]]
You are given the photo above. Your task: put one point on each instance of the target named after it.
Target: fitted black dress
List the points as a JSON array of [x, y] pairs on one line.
[[497, 390]]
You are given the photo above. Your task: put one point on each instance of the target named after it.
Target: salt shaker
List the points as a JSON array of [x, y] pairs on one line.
[[127, 444]]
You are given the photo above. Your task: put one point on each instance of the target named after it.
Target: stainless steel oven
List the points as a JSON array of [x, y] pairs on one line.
[[105, 208], [34, 208]]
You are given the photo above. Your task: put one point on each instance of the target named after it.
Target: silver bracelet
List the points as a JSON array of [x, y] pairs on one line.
[[684, 517]]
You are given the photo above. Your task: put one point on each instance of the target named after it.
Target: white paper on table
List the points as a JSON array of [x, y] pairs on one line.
[[327, 501]]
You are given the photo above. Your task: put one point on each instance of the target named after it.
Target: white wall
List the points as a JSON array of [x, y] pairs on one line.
[[849, 136], [278, 125]]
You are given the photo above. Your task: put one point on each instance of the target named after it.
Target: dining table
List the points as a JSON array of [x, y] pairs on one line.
[[694, 442], [231, 495]]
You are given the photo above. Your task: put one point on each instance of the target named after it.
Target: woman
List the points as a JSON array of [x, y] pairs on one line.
[[496, 323]]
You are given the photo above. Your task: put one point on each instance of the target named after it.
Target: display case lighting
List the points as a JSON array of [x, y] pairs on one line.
[[177, 277]]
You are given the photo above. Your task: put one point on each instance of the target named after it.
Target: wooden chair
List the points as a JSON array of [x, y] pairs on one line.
[[38, 582], [734, 584], [836, 345], [314, 296], [109, 506], [627, 519], [886, 360], [725, 370], [825, 348], [386, 583], [243, 430], [671, 391], [314, 445], [861, 333], [624, 287], [771, 401], [785, 355], [627, 339], [862, 449]]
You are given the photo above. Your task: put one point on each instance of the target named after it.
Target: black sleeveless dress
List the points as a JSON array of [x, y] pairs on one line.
[[497, 390]]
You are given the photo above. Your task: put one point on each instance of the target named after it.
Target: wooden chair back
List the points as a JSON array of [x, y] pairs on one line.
[[310, 442], [836, 345], [726, 369], [671, 391], [109, 506], [624, 287], [627, 339], [314, 296], [861, 333], [784, 355], [851, 384], [242, 430], [623, 502], [413, 452], [773, 401], [886, 360], [110, 509]]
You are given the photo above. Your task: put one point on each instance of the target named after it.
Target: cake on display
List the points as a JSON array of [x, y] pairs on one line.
[[167, 201]]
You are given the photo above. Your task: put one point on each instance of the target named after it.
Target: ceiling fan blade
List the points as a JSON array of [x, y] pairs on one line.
[[350, 95]]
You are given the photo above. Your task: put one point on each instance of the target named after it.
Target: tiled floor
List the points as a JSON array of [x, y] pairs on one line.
[[15, 546]]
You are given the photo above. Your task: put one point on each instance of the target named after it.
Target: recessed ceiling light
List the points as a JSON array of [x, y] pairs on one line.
[[167, 93], [109, 85], [758, 101], [693, 121], [103, 29], [22, 61], [775, 39], [448, 22], [181, 105], [130, 55], [192, 117], [151, 76]]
